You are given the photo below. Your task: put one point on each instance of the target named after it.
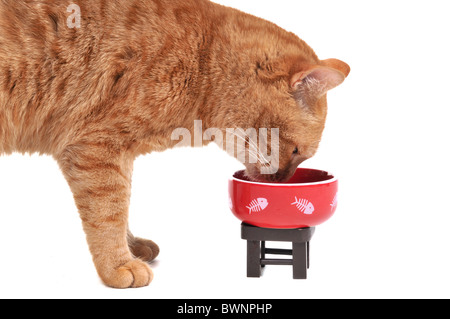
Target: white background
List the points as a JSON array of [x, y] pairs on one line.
[[386, 139]]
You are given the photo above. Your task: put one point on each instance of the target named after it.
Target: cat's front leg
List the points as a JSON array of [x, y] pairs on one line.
[[100, 179]]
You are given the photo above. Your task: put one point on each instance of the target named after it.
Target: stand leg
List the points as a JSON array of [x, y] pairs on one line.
[[263, 252], [299, 257], [307, 254], [253, 258]]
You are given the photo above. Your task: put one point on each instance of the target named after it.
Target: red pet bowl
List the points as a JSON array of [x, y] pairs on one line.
[[308, 199]]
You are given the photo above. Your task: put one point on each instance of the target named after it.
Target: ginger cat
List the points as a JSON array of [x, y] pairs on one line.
[[97, 84]]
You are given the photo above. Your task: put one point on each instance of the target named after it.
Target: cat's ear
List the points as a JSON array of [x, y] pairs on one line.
[[337, 65], [318, 80]]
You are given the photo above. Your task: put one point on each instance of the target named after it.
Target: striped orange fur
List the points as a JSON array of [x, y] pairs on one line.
[[98, 96]]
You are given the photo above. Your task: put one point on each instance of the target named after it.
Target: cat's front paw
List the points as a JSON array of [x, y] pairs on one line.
[[133, 274]]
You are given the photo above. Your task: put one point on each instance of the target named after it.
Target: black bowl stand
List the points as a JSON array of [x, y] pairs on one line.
[[256, 249]]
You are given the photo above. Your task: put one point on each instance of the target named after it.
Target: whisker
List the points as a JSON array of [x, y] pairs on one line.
[[256, 154], [250, 142]]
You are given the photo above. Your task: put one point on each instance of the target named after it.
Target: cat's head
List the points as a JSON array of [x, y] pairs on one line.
[[289, 99]]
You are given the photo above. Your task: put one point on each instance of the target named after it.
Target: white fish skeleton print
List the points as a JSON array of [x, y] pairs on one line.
[[257, 205], [334, 202], [303, 205]]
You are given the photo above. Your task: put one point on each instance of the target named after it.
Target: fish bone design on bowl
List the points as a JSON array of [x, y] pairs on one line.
[[308, 199]]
